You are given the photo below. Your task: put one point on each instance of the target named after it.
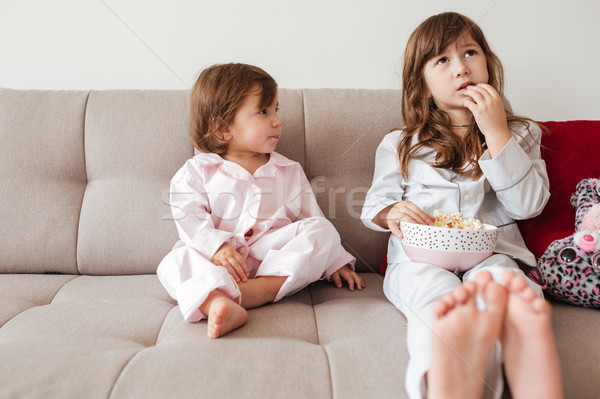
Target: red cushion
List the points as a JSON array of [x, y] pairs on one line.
[[570, 154], [570, 151]]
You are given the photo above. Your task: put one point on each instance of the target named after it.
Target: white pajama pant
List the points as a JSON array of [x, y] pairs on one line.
[[304, 251], [414, 288]]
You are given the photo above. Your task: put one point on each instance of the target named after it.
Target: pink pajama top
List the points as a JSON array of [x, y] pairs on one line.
[[215, 201]]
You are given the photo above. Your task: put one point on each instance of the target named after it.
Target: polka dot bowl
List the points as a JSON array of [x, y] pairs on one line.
[[451, 249]]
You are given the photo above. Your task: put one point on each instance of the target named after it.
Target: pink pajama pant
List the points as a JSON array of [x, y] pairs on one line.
[[304, 251]]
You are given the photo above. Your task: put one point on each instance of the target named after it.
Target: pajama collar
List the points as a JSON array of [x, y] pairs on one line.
[[270, 169]]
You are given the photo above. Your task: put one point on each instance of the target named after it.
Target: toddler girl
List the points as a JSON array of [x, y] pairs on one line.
[[251, 231], [461, 150]]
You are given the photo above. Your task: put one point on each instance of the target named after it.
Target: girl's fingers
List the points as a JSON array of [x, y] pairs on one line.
[[418, 215], [232, 272], [395, 228], [240, 269], [470, 104], [234, 269], [241, 262], [360, 284], [487, 88], [423, 219], [337, 281], [348, 275], [477, 95]]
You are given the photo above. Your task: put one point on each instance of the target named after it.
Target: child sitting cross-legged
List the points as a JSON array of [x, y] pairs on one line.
[[251, 231]]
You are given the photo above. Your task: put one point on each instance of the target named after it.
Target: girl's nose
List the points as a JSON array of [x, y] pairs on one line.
[[277, 121], [461, 68]]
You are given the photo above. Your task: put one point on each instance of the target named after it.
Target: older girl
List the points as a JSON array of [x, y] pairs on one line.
[[461, 150]]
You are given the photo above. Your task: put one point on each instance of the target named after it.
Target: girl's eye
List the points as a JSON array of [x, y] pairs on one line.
[[469, 53], [277, 109], [442, 60], [263, 112]]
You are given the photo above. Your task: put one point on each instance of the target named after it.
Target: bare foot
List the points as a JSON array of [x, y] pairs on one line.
[[463, 338], [224, 315], [528, 344]]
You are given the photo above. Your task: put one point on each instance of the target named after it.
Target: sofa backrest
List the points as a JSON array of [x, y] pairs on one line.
[[85, 174]]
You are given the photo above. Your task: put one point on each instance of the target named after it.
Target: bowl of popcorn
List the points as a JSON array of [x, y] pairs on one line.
[[453, 242]]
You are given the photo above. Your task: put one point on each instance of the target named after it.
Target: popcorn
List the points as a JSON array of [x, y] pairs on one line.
[[455, 221]]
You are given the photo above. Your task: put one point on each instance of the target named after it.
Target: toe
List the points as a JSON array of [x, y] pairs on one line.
[[483, 278], [470, 286], [528, 294], [440, 308], [541, 306], [495, 297], [461, 294]]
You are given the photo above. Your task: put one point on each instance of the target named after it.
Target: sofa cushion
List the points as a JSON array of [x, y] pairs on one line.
[[134, 142], [340, 148], [123, 337], [42, 174]]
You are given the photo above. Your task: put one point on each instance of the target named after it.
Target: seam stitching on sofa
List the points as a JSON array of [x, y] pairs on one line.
[[137, 355], [304, 153], [35, 306], [85, 109], [160, 330], [61, 287], [312, 304], [140, 354]]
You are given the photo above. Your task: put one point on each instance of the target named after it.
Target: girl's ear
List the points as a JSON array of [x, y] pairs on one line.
[[220, 129], [226, 136]]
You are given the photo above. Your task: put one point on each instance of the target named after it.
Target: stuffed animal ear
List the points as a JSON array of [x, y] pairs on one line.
[[591, 220], [535, 275], [587, 194]]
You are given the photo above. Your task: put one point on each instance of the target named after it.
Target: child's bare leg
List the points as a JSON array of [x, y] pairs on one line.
[[224, 314], [528, 344], [260, 290], [463, 338]]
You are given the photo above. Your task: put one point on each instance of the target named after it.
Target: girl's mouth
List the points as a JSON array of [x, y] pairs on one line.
[[465, 85]]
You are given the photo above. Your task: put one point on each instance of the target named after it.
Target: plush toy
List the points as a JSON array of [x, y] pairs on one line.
[[569, 270]]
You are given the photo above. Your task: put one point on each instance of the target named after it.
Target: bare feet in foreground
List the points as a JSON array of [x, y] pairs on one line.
[[224, 315], [464, 337], [531, 362]]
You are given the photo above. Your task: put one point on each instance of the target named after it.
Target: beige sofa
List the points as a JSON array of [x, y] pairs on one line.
[[86, 220]]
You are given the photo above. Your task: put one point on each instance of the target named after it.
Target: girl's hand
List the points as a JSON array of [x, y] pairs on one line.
[[406, 211], [487, 107], [350, 276], [228, 257]]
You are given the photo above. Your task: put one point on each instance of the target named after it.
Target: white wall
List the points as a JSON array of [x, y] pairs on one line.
[[549, 47]]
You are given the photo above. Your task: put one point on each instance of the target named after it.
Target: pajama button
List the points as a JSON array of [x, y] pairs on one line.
[[242, 250], [467, 197]]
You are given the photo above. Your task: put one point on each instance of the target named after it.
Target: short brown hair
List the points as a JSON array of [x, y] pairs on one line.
[[217, 96]]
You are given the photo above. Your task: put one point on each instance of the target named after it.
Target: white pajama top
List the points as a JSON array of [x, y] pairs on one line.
[[514, 186]]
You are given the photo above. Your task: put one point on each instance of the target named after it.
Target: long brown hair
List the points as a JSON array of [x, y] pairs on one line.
[[422, 118], [217, 96]]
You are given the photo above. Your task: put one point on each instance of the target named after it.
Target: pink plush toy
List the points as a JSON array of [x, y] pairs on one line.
[[569, 270]]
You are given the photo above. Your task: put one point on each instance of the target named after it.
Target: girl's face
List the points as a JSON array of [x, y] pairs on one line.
[[449, 73], [254, 129]]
